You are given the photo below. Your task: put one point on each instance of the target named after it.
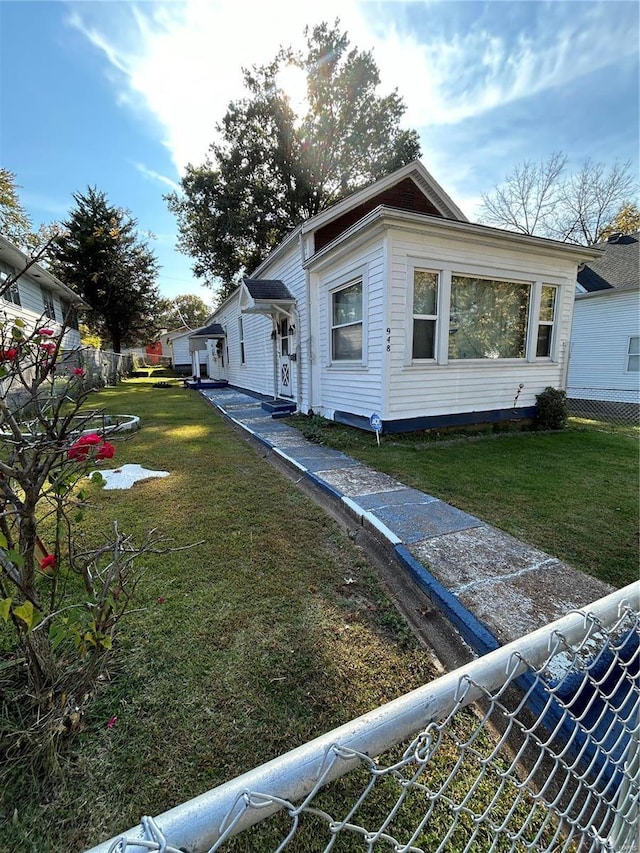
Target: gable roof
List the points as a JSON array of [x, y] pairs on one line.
[[618, 267], [365, 200], [433, 192]]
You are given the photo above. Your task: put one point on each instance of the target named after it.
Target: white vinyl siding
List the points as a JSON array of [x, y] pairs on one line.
[[604, 324], [355, 387]]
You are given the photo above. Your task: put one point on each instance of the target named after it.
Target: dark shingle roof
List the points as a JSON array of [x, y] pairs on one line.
[[260, 288], [619, 266], [215, 329]]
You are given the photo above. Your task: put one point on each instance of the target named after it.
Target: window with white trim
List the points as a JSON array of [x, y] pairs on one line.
[[12, 293], [346, 323], [241, 339], [546, 320], [488, 318], [49, 305], [425, 313], [633, 354]]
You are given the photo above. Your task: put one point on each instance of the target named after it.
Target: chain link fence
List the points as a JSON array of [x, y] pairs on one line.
[[603, 404], [533, 747]]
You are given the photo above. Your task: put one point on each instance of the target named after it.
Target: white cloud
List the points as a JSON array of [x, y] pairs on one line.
[[182, 61], [156, 176]]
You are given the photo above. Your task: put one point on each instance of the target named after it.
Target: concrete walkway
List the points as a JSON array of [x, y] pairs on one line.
[[491, 586]]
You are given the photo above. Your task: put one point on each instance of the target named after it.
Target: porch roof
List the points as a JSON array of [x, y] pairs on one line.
[[214, 330], [265, 296]]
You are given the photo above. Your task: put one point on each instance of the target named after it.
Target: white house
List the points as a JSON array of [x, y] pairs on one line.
[[37, 296], [176, 344], [392, 302], [605, 340]]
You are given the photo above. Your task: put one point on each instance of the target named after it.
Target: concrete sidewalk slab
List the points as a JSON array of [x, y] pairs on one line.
[[497, 587]]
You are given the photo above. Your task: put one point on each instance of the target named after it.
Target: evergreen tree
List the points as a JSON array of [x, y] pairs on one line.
[[103, 259]]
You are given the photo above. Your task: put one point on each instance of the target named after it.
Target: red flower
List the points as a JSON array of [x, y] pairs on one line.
[[160, 600], [79, 371], [48, 562], [106, 451], [112, 722], [46, 332], [50, 347], [78, 452], [8, 354], [89, 438]]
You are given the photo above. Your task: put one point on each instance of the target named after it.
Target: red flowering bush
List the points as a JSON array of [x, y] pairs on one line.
[[81, 449]]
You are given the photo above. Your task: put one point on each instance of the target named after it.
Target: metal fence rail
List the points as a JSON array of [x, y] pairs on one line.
[[532, 747]]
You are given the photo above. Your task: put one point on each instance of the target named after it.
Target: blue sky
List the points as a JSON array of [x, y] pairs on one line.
[[123, 95]]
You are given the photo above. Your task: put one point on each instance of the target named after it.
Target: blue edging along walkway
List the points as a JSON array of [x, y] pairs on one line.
[[493, 588]]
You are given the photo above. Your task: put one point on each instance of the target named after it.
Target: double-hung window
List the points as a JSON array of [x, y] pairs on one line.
[[545, 323], [12, 293], [49, 305], [241, 339], [346, 323], [633, 354], [425, 313]]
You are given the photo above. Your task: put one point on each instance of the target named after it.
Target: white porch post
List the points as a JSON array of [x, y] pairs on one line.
[[195, 363], [275, 357]]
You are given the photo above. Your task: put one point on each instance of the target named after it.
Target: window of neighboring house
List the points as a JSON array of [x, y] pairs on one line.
[[546, 320], [12, 293], [425, 313], [346, 323], [633, 354], [241, 337], [69, 314], [488, 318], [49, 305]]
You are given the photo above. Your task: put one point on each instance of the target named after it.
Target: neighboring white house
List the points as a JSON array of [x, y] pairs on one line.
[[176, 344], [391, 302], [605, 340], [37, 296]]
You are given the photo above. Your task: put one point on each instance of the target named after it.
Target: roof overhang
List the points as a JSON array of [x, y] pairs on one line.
[[16, 258], [198, 337], [387, 217], [269, 306]]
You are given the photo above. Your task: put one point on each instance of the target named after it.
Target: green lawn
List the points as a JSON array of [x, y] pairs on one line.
[[271, 631], [574, 494], [243, 647]]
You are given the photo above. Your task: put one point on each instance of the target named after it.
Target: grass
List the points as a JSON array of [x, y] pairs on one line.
[[574, 493], [269, 632]]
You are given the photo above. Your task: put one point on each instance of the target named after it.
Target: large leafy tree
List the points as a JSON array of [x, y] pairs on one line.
[[275, 164], [187, 309], [102, 257], [541, 199], [15, 224]]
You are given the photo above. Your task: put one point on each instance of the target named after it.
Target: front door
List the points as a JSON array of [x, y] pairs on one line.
[[285, 383], [218, 359]]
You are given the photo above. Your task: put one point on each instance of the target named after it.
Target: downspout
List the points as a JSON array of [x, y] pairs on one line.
[[307, 286]]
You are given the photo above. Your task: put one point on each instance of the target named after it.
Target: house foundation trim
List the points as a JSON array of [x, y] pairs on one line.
[[437, 421]]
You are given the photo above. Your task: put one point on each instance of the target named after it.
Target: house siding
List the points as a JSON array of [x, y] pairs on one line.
[[182, 358], [602, 326], [423, 390], [343, 387], [31, 310]]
